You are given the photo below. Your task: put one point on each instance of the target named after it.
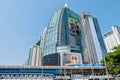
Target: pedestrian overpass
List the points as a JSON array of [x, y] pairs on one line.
[[52, 72]]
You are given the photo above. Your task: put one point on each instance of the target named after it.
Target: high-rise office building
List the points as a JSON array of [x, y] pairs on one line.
[[112, 38], [94, 48], [35, 57], [36, 51], [71, 39], [63, 34]]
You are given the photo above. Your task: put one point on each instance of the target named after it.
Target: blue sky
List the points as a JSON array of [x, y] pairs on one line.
[[22, 21]]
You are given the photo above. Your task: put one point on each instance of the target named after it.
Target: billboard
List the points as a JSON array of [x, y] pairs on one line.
[[74, 29], [74, 24], [71, 58]]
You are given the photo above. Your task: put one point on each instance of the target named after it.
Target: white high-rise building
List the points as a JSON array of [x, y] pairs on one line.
[[36, 51], [35, 56], [112, 38]]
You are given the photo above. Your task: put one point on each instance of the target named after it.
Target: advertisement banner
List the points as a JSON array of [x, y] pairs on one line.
[[74, 24], [71, 58]]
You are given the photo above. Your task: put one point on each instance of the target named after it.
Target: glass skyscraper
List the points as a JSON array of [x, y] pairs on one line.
[[95, 48], [63, 38], [63, 33], [71, 39]]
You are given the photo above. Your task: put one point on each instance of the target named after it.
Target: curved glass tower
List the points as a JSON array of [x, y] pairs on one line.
[[71, 39], [63, 33]]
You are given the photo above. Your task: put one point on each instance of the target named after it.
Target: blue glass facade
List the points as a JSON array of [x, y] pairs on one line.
[[68, 32], [97, 38], [51, 33], [95, 47], [63, 33], [101, 45]]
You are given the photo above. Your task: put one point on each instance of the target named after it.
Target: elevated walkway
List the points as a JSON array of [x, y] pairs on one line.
[[52, 72]]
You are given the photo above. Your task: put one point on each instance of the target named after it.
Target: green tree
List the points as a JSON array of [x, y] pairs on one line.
[[113, 61]]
